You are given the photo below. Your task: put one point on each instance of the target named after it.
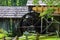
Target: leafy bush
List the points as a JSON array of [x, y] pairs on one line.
[[48, 12], [3, 33]]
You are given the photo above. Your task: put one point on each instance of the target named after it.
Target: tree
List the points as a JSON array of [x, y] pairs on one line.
[[17, 2], [9, 2], [52, 2]]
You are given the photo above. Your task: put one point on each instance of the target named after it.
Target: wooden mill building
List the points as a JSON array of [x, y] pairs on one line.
[[10, 15]]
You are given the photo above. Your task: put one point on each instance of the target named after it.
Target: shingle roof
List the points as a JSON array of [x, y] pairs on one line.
[[13, 12]]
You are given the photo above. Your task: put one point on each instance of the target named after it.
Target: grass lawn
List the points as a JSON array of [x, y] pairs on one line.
[[41, 38], [33, 37]]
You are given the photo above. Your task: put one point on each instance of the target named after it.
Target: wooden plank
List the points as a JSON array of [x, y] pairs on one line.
[[56, 9], [44, 8], [59, 10], [40, 9]]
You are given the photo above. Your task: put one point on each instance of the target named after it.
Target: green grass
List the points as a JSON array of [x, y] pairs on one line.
[[33, 37], [41, 38]]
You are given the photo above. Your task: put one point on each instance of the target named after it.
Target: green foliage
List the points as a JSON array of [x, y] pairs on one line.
[[9, 2], [43, 37], [13, 2], [58, 4], [48, 2], [22, 2], [49, 11], [4, 2], [52, 2], [3, 33], [17, 2], [35, 1]]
